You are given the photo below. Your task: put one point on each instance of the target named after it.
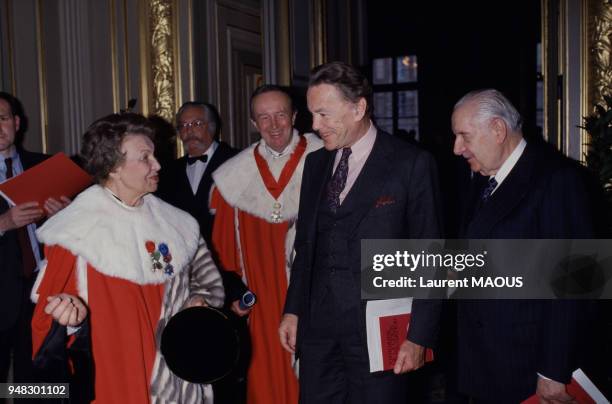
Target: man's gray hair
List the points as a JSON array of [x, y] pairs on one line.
[[493, 104], [210, 113]]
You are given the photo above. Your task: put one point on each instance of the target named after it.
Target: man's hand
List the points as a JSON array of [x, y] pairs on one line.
[[66, 309], [410, 357], [288, 332], [238, 310], [20, 215], [52, 205], [552, 392], [195, 301]]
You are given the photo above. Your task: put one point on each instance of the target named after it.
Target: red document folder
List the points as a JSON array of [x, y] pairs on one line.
[[52, 178], [387, 323], [393, 332], [581, 388]]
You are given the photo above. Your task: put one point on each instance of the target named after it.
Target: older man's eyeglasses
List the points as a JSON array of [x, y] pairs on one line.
[[193, 124]]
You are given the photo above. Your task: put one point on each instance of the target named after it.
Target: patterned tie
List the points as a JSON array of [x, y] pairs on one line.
[[486, 194], [338, 180], [27, 256]]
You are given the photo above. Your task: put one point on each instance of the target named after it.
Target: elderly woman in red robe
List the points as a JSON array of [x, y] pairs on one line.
[[120, 263]]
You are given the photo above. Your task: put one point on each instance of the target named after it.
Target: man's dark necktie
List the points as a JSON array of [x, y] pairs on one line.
[[338, 181], [203, 158], [27, 256], [486, 193]]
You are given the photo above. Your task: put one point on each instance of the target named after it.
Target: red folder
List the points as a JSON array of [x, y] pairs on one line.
[[57, 176], [393, 332], [581, 388]]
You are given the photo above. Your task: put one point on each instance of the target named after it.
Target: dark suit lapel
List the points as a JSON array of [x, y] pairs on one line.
[[206, 177], [472, 200], [370, 182], [506, 197], [28, 159], [183, 181], [219, 157], [321, 168]]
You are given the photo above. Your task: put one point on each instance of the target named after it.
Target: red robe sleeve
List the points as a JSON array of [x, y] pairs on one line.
[[58, 277], [224, 233]]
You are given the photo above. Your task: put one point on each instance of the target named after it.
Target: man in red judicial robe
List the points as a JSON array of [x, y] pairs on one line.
[[255, 200]]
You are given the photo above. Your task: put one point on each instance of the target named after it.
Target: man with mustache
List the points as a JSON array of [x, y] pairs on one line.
[[186, 182], [256, 198]]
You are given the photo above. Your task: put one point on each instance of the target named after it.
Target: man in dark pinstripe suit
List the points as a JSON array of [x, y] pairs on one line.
[[509, 350]]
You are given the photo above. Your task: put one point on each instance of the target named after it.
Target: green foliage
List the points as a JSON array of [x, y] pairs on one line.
[[599, 151]]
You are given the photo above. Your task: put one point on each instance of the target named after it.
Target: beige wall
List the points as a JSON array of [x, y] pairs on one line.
[[73, 61]]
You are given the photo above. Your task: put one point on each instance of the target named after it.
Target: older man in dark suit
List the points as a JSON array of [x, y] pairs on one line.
[[19, 249], [509, 350], [186, 182], [324, 317]]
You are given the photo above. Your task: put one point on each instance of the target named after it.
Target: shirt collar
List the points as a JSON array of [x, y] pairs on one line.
[[363, 146], [510, 162], [209, 152], [13, 154], [287, 150]]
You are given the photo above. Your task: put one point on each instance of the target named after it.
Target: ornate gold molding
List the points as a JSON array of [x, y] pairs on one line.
[[178, 48], [600, 51], [144, 45], [162, 57]]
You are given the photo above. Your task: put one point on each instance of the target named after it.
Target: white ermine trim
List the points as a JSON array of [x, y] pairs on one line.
[[42, 267], [241, 185], [239, 246], [111, 236], [81, 276], [289, 251]]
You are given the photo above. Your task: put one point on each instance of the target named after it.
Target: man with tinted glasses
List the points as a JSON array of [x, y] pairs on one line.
[[186, 182]]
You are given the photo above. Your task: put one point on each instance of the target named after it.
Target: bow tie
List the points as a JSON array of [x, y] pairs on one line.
[[203, 158]]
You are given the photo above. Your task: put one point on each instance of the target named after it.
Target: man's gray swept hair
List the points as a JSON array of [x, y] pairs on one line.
[[493, 104], [210, 114]]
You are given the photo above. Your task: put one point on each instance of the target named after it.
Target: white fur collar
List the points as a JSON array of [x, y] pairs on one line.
[[241, 185], [111, 236]]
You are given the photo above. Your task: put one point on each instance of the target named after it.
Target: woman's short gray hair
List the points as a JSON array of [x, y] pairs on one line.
[[491, 104], [101, 149]]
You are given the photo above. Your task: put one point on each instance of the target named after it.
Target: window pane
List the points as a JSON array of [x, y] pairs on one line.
[[410, 126], [408, 103], [383, 105], [406, 69], [382, 71], [385, 124]]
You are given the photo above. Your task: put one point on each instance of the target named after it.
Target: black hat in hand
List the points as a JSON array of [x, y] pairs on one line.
[[200, 345]]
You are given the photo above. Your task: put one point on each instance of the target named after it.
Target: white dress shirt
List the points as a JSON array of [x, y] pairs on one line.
[[359, 154], [509, 164], [196, 170]]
